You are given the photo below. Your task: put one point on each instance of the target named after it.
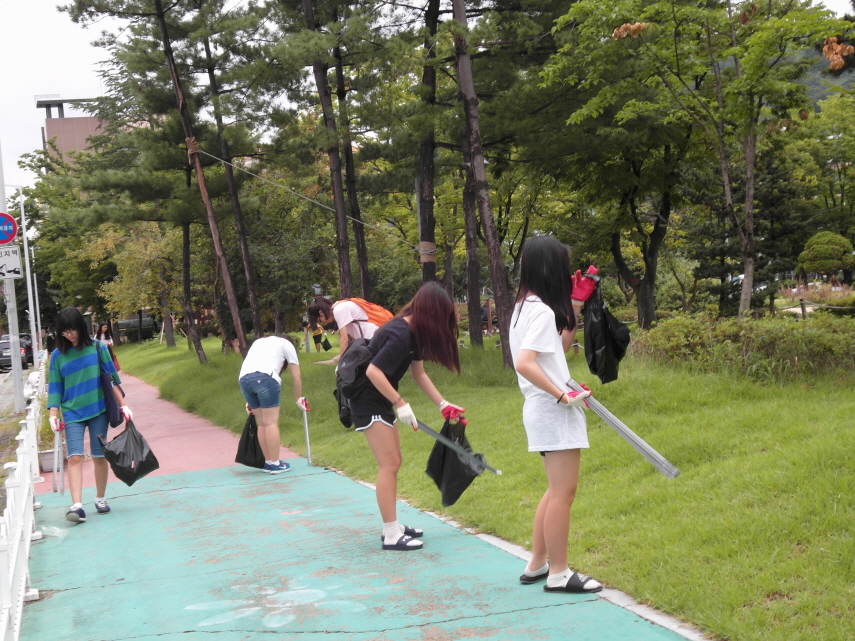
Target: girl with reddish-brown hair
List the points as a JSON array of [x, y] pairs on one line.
[[425, 329]]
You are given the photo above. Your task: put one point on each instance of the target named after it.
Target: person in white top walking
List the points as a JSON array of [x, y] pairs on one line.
[[541, 329], [352, 321], [261, 386]]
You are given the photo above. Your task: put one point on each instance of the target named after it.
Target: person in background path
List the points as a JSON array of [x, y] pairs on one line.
[[106, 336], [540, 334], [351, 319], [74, 387], [426, 328], [261, 386]]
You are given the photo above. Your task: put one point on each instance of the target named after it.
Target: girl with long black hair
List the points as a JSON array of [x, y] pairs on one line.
[[74, 386], [541, 330], [425, 329]]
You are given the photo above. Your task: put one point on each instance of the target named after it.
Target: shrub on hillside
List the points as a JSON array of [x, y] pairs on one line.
[[768, 349]]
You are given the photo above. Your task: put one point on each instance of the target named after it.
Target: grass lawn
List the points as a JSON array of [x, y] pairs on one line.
[[753, 541]]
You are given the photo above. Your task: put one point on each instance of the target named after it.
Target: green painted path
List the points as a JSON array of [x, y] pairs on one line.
[[230, 553]]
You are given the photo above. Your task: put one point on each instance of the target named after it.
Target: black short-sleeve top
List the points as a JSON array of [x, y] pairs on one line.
[[394, 348]]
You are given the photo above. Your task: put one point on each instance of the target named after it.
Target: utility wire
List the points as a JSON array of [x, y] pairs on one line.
[[311, 200]]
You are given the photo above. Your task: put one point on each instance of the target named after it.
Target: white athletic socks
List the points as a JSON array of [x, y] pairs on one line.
[[77, 506], [559, 580], [537, 572], [392, 532], [272, 462]]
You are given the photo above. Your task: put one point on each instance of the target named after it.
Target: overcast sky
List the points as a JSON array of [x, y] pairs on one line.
[[45, 53]]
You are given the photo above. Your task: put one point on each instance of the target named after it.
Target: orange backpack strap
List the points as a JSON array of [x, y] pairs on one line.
[[376, 314]]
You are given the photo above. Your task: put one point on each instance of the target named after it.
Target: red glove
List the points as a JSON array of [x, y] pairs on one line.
[[584, 286], [450, 412], [303, 404], [248, 409]]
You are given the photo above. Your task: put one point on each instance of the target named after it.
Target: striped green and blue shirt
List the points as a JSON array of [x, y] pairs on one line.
[[74, 381]]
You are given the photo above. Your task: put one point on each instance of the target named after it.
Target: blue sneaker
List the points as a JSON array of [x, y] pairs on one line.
[[76, 516], [101, 506], [276, 468]]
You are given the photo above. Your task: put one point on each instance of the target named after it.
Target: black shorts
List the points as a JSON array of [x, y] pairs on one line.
[[361, 423], [317, 338]]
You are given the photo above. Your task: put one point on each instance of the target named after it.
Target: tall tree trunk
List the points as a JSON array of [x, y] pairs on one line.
[[193, 152], [448, 266], [233, 191], [345, 279], [350, 179], [168, 329], [427, 220], [501, 290], [189, 319], [473, 264], [747, 239]]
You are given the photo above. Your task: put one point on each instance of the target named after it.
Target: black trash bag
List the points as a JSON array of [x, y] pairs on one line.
[[606, 339], [452, 472], [129, 455], [249, 451]]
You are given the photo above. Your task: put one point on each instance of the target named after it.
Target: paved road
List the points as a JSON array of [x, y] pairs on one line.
[[211, 550]]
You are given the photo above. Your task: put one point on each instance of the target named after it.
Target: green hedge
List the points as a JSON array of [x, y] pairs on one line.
[[776, 349]]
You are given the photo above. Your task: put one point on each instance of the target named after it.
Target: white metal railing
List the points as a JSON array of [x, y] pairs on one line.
[[17, 525]]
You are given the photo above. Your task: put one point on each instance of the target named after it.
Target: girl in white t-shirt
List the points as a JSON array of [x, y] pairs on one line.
[[261, 385], [351, 319], [554, 421]]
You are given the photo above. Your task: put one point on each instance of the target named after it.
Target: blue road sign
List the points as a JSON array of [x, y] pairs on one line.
[[8, 229]]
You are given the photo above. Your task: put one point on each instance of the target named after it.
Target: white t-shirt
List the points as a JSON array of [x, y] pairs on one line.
[[350, 317], [549, 425], [268, 355]]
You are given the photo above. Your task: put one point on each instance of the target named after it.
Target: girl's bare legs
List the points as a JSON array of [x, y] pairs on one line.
[[551, 530], [385, 444], [101, 467], [75, 478], [268, 431]]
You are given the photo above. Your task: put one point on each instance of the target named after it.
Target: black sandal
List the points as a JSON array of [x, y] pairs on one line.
[[403, 544], [528, 580], [576, 584]]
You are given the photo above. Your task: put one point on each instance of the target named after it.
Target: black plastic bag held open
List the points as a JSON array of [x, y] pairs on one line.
[[129, 455], [452, 472], [249, 451], [606, 339]]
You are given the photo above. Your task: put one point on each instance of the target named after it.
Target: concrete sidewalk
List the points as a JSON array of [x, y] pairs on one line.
[[226, 552]]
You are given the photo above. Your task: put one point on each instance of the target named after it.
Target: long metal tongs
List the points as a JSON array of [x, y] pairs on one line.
[[658, 461]]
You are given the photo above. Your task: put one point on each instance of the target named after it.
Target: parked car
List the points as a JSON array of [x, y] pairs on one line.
[[27, 344], [6, 355]]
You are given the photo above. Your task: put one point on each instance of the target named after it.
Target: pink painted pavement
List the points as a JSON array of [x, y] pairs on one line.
[[182, 442]]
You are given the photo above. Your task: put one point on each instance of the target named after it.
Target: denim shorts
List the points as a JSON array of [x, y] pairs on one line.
[[74, 435], [260, 390]]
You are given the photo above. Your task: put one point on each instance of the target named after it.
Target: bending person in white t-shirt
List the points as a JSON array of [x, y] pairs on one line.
[[554, 421], [261, 387], [351, 319]]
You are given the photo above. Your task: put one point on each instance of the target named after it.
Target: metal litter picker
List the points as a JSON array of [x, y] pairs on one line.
[[306, 428], [58, 462], [658, 461], [454, 446]]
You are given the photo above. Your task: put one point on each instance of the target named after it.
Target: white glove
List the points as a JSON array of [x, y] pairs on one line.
[[405, 415], [248, 409], [55, 423], [575, 399], [303, 404], [127, 414]]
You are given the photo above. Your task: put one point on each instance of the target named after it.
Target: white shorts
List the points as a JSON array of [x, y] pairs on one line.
[[551, 426]]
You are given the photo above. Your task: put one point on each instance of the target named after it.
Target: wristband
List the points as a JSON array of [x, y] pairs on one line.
[[561, 398]]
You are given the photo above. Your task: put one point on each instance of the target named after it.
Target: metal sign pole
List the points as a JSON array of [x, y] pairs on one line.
[[12, 314], [33, 311]]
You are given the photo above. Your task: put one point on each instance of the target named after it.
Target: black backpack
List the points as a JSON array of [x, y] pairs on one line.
[[350, 378]]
